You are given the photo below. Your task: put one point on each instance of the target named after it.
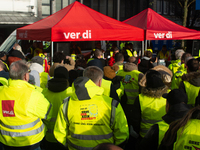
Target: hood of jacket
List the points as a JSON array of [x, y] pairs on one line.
[[58, 84], [193, 78], [35, 66], [129, 67], [176, 112], [155, 93], [85, 89]]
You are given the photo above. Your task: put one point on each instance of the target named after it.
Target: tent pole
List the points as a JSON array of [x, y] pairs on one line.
[[51, 53], [145, 45], [142, 53]]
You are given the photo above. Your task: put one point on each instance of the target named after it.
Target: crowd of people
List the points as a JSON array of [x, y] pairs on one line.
[[114, 100]]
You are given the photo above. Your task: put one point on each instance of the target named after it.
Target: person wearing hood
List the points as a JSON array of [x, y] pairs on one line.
[[36, 68], [176, 108], [56, 92], [16, 54], [88, 117], [191, 81], [149, 106]]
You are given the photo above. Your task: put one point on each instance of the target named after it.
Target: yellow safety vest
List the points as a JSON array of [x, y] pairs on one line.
[[162, 56], [174, 66], [3, 81], [93, 121], [192, 92], [129, 53], [56, 99], [188, 137], [21, 123], [6, 65], [176, 79], [163, 127], [44, 77], [130, 83], [106, 84], [120, 91], [152, 110]]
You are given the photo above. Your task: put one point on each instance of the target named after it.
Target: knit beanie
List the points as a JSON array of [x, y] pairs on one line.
[[61, 72], [154, 80]]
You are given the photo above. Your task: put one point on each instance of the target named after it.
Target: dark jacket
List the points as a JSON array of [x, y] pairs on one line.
[[145, 65], [150, 141]]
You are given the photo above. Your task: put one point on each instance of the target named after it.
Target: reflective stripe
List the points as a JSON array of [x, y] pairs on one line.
[[113, 110], [65, 107], [131, 97], [92, 137], [19, 134], [50, 131], [131, 90], [53, 120], [150, 121], [30, 125], [48, 111], [79, 147]]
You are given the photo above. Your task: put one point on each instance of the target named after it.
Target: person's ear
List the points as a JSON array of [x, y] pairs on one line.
[[26, 77], [99, 82]]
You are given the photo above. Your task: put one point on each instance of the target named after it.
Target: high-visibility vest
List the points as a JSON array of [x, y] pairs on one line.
[[163, 127], [90, 60], [188, 136], [6, 65], [44, 77], [174, 66], [93, 121], [106, 85], [162, 56], [129, 53], [21, 123], [56, 99], [176, 79], [130, 83], [152, 110], [120, 90], [192, 92], [3, 81]]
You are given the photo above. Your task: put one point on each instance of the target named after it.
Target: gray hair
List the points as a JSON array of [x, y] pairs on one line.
[[94, 73], [18, 69]]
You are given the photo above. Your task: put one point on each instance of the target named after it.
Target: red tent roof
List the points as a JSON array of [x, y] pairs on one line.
[[78, 22], [159, 28]]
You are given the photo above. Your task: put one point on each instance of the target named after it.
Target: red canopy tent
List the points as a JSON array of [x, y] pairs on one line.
[[78, 22], [159, 28]]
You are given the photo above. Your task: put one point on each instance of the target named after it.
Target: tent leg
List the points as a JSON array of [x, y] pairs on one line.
[[145, 45], [51, 53], [142, 48]]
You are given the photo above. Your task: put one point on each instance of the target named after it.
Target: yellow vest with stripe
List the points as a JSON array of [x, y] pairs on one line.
[[192, 92], [189, 137], [163, 127], [152, 110], [174, 66], [22, 109], [130, 83], [56, 99], [90, 60], [44, 77], [120, 90], [98, 119], [6, 65]]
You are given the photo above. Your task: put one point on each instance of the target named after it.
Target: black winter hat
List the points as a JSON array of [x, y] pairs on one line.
[[37, 59], [2, 53], [61, 72], [176, 96], [96, 62], [154, 80]]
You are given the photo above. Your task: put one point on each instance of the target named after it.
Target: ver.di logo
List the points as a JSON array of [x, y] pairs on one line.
[[78, 35]]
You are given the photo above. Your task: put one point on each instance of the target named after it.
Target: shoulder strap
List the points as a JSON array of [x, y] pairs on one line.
[[114, 105], [65, 107]]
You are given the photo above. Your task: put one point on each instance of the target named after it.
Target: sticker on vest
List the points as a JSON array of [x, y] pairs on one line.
[[127, 79], [89, 112], [8, 108]]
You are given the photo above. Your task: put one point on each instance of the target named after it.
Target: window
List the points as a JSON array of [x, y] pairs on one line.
[[45, 7], [165, 7], [159, 6]]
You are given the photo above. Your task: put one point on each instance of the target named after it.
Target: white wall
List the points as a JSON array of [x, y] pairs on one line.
[[18, 5]]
